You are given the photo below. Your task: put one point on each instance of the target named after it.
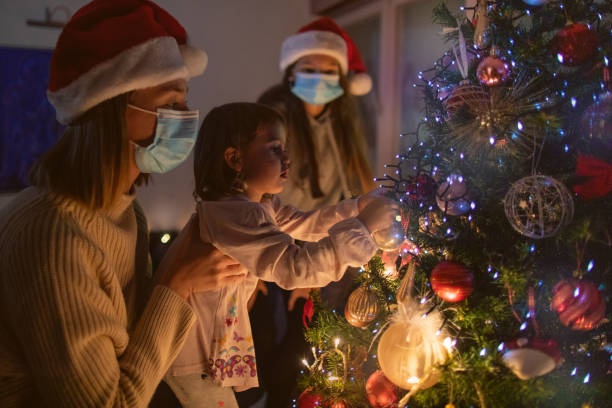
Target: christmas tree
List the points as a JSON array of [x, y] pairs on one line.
[[491, 289]]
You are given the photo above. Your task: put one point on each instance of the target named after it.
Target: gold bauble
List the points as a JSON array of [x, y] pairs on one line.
[[361, 307]]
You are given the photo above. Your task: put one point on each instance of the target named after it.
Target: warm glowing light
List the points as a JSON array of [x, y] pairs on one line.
[[448, 343], [165, 238]]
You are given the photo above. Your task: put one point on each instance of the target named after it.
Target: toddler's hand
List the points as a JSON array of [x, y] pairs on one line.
[[369, 197], [379, 214]]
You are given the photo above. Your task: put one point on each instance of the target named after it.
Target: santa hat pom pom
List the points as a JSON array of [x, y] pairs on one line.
[[196, 59], [360, 84]]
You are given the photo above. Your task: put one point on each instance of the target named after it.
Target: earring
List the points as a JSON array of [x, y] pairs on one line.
[[238, 184]]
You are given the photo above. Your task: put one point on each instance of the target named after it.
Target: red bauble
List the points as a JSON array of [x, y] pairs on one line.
[[309, 399], [579, 304], [452, 281], [575, 44], [381, 392], [492, 71]]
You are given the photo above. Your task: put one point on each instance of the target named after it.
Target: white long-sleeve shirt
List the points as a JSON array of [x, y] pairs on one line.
[[261, 236]]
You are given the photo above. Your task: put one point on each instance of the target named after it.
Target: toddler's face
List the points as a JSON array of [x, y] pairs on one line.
[[266, 163]]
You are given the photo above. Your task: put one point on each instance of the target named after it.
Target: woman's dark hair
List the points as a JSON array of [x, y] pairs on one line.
[[231, 125]]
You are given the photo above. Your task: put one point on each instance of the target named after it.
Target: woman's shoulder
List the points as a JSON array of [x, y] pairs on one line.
[[36, 222], [33, 206]]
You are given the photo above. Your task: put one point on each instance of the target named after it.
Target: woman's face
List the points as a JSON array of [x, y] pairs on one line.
[[317, 64], [140, 126]]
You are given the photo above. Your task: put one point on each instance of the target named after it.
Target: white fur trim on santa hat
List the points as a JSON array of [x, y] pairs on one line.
[[148, 64], [360, 84], [313, 42]]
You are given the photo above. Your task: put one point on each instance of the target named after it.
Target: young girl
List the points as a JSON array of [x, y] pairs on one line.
[[240, 161], [322, 74]]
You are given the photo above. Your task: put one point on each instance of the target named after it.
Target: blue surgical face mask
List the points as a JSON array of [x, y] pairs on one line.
[[175, 136], [317, 89]]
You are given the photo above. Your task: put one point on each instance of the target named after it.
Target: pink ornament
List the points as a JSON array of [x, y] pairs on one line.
[[381, 392], [452, 281], [579, 304], [530, 358], [493, 71], [407, 250], [389, 258]]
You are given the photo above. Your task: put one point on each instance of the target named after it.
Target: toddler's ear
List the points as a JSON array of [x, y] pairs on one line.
[[233, 158]]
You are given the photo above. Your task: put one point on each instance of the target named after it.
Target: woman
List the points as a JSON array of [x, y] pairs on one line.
[[80, 325]]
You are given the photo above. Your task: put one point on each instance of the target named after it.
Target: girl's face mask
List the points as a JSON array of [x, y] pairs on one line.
[[175, 135], [317, 89]]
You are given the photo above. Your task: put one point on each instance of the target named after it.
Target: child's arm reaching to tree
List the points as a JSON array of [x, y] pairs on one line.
[[314, 225], [252, 237]]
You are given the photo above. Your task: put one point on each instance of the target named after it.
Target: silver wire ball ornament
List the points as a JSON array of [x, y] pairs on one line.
[[538, 206]]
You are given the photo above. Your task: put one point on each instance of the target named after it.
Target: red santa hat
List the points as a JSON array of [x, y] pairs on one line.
[[324, 36], [110, 47]]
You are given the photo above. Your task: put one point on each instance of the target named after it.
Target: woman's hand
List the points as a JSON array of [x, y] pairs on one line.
[[191, 265]]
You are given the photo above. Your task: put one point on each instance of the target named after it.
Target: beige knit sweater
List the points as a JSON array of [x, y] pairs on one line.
[[73, 331]]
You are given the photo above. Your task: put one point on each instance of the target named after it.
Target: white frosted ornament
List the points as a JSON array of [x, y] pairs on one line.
[[538, 206], [412, 347], [391, 238]]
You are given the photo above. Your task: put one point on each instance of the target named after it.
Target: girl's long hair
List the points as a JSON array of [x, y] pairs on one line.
[[347, 130]]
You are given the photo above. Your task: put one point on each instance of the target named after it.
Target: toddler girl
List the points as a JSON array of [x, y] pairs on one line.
[[240, 162]]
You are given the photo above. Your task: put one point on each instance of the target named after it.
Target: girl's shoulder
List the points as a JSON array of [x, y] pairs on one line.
[[231, 214]]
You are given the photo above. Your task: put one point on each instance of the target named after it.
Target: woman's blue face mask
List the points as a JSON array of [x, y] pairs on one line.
[[317, 89], [175, 136]]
